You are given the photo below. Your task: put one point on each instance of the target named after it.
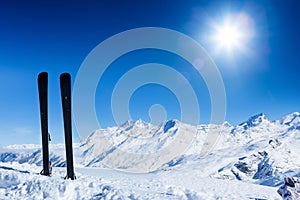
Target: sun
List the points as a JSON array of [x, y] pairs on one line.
[[228, 36], [233, 34]]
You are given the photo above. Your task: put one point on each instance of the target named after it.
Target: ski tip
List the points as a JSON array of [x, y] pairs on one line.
[[43, 75], [65, 76]]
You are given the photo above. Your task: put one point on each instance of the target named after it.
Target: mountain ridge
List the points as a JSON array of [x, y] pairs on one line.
[[262, 153]]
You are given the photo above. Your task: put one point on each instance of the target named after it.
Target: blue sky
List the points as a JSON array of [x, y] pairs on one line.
[[56, 36]]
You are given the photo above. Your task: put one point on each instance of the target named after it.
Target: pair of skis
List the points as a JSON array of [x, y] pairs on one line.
[[65, 88]]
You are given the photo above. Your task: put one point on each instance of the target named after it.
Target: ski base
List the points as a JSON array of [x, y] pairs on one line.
[[43, 100], [65, 87]]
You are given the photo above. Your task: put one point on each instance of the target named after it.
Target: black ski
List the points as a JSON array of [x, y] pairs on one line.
[[65, 87], [43, 97]]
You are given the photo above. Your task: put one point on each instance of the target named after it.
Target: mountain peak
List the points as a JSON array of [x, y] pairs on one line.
[[226, 124], [255, 120], [291, 119], [258, 117], [140, 122], [127, 123]]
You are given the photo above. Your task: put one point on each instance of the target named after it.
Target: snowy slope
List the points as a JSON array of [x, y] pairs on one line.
[[22, 181], [249, 161]]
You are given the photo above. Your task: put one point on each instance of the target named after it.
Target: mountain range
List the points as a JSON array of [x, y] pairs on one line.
[[259, 150]]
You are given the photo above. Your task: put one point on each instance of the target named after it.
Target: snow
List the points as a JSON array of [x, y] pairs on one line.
[[22, 181], [249, 161]]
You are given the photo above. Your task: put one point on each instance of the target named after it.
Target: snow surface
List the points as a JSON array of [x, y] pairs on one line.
[[22, 181], [249, 161]]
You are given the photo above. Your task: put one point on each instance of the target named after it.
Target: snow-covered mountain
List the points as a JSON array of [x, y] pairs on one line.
[[258, 151], [135, 146], [32, 154]]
